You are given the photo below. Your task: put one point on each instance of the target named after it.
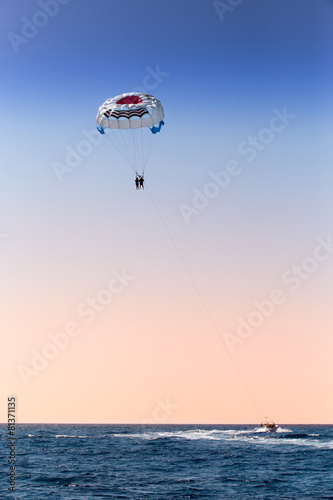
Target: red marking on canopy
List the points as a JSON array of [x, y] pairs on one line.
[[130, 99]]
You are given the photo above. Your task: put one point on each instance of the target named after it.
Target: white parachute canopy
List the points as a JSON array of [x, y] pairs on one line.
[[134, 119]]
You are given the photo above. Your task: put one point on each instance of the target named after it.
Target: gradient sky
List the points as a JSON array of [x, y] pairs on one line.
[[157, 352]]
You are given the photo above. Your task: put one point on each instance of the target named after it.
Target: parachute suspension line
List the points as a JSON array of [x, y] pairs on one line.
[[132, 146], [149, 143], [143, 148], [118, 142], [142, 156], [132, 132], [124, 139], [127, 145], [205, 307], [111, 138]]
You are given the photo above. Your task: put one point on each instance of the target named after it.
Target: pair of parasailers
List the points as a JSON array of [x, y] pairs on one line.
[[139, 181]]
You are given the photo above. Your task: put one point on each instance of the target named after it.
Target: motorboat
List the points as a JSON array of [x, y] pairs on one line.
[[269, 425]]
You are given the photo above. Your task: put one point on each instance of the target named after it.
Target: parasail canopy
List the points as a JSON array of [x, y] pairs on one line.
[[134, 118]]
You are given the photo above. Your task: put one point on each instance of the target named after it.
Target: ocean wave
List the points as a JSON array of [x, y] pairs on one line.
[[193, 434], [67, 436], [256, 436]]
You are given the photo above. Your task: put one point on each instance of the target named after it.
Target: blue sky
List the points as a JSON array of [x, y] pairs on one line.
[[263, 55], [223, 80], [219, 82]]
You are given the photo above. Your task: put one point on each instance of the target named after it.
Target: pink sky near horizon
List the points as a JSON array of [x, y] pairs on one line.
[[155, 342]]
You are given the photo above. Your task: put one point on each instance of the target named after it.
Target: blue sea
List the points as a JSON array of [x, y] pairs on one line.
[[176, 462]]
